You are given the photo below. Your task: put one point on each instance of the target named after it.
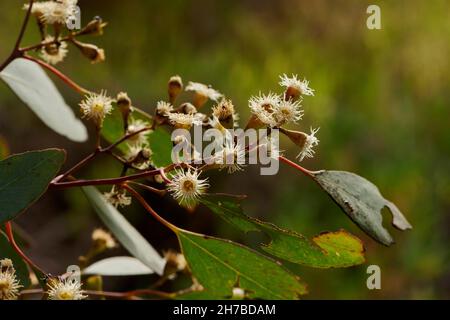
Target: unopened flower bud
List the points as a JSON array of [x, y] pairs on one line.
[[90, 51], [95, 27], [124, 104], [305, 141], [188, 108], [175, 87]]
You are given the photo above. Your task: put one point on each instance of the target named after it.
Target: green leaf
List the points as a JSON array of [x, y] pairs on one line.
[[220, 265], [6, 251], [127, 235], [159, 140], [328, 250], [32, 85], [118, 266], [362, 202], [24, 178], [161, 144]]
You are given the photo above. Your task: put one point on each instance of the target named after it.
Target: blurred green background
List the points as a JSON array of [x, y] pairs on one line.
[[382, 103]]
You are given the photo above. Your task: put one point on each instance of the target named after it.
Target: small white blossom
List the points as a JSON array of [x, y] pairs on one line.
[[68, 289], [300, 87], [57, 11], [238, 293], [117, 198], [139, 155], [288, 111], [96, 106], [307, 150], [137, 125], [204, 90], [185, 121], [9, 285], [164, 108], [104, 238], [231, 157], [186, 187], [264, 107], [53, 53]]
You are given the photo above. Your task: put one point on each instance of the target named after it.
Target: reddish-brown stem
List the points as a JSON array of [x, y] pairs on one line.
[[43, 44], [60, 75], [296, 166], [99, 182], [148, 188], [110, 294], [149, 209], [10, 235], [24, 26]]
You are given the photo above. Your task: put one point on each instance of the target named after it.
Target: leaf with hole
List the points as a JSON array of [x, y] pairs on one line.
[[362, 202], [32, 85], [125, 233], [24, 178], [327, 250]]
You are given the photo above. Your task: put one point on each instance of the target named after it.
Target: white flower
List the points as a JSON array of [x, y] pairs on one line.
[[96, 106], [9, 285], [137, 125], [139, 155], [288, 111], [238, 293], [264, 106], [310, 142], [164, 108], [231, 157], [68, 289], [185, 121], [186, 187], [53, 53], [297, 86], [117, 198], [204, 90], [57, 12], [104, 238]]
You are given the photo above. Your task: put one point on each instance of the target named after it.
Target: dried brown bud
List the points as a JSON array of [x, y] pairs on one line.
[[188, 108], [297, 137], [90, 51], [175, 87], [124, 104], [95, 27], [224, 111]]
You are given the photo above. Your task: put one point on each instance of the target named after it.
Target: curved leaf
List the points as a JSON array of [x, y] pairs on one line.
[[220, 265], [328, 250], [127, 235], [32, 85], [362, 202], [118, 266], [24, 178]]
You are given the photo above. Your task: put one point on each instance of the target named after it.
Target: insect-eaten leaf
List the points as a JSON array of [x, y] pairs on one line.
[[220, 265], [24, 178], [6, 251], [159, 140], [32, 85], [362, 202], [328, 250], [118, 266], [125, 233]]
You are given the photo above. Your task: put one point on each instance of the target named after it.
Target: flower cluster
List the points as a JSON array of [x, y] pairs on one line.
[[59, 14]]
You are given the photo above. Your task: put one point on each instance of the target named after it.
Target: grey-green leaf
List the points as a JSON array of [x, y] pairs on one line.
[[127, 235], [220, 265], [24, 178], [118, 266], [32, 85], [362, 202]]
